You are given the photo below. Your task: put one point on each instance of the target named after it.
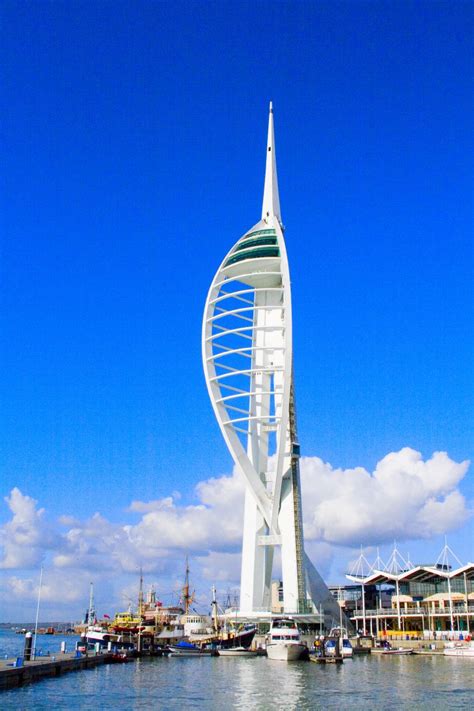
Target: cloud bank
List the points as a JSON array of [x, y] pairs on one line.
[[404, 498]]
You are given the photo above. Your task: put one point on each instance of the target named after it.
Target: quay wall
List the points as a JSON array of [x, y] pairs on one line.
[[12, 676]]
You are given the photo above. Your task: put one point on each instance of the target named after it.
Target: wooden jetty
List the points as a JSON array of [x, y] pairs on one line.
[[15, 673], [326, 660]]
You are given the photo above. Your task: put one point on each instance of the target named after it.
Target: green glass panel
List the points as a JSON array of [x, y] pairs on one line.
[[255, 233], [257, 242], [253, 254]]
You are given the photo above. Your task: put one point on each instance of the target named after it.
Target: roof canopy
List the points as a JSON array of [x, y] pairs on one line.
[[419, 573]]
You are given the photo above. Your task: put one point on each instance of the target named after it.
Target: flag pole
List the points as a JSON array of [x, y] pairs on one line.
[[37, 612]]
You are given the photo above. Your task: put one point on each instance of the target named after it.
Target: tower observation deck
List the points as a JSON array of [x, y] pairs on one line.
[[248, 364]]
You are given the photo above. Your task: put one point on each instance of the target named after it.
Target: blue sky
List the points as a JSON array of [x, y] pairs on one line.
[[134, 140]]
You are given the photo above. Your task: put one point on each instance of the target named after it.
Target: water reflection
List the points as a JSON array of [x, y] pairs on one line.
[[431, 683], [285, 690]]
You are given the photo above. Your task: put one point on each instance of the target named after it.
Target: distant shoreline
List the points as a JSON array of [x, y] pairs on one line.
[[31, 625]]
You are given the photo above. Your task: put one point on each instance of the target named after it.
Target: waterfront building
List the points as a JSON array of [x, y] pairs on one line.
[[248, 364], [405, 599]]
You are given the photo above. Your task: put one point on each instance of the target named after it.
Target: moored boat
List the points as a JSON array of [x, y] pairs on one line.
[[459, 649], [283, 641], [236, 652], [99, 634], [120, 658], [96, 632], [237, 637], [184, 649], [401, 651], [126, 622], [338, 643]]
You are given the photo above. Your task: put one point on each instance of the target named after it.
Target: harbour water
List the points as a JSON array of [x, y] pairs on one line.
[[375, 682], [12, 644]]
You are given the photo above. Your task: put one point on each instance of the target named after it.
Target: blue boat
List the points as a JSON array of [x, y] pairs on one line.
[[184, 649]]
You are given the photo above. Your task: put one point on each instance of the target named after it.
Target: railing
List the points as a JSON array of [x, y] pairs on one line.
[[417, 611], [304, 608], [236, 610]]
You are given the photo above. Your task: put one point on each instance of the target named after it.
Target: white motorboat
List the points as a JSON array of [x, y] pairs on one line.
[[283, 640], [331, 646], [184, 649], [236, 652], [459, 649]]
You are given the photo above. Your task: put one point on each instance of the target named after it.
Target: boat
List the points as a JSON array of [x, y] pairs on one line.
[[120, 658], [331, 646], [459, 649], [236, 637], [236, 652], [96, 632], [127, 622], [100, 634], [184, 649], [401, 651], [283, 640]]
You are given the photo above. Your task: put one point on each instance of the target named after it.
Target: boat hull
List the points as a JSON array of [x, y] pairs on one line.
[[177, 652], [187, 650], [236, 652], [184, 654], [102, 636], [459, 652], [241, 639], [285, 652], [347, 650]]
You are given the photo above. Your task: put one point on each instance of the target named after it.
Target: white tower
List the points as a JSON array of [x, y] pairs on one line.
[[248, 359]]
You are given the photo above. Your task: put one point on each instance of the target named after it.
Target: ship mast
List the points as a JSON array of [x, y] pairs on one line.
[[188, 598], [140, 594], [215, 618], [91, 610]]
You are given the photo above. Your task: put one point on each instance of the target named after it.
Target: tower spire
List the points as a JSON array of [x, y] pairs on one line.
[[271, 198]]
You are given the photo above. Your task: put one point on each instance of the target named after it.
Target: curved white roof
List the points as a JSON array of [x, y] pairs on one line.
[[421, 573]]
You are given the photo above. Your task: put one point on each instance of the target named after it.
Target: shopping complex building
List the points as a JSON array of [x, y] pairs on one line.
[[415, 600]]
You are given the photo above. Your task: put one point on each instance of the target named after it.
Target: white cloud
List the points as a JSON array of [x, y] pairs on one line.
[[26, 536], [220, 567], [54, 588], [215, 523], [148, 506], [404, 498]]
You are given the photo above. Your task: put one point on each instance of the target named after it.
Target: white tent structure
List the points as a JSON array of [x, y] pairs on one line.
[[248, 360]]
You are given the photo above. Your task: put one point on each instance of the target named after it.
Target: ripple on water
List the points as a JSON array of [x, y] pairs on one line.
[[434, 683]]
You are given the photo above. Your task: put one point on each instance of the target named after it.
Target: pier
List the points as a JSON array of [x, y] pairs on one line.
[[14, 673]]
